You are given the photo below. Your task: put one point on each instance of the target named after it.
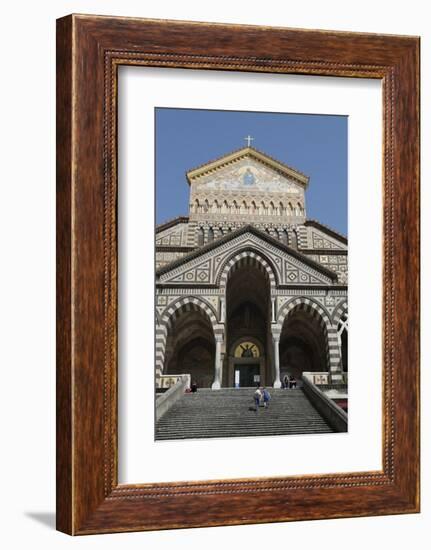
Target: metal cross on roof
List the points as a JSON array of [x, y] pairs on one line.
[[249, 139]]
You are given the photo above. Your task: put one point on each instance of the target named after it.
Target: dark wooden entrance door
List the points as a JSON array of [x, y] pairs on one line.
[[248, 374]]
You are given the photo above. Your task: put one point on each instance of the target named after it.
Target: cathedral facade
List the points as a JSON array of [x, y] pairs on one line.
[[248, 289]]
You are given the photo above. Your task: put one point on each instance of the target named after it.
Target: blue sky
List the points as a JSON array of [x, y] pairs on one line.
[[314, 144]]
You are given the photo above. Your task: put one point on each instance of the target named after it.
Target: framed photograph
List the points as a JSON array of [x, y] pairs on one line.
[[237, 274]]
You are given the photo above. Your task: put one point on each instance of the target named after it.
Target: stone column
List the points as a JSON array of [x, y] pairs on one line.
[[273, 309], [222, 309], [334, 355], [276, 341], [218, 364]]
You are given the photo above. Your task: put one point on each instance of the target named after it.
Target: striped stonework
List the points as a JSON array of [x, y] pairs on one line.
[[334, 351], [341, 321], [218, 231], [302, 237], [192, 236], [161, 337], [250, 259], [339, 312], [333, 356], [173, 311], [205, 230]]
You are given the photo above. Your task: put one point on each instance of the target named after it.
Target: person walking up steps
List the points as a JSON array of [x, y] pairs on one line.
[[266, 398], [257, 398]]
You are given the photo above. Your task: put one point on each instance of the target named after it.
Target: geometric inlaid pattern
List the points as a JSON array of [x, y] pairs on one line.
[[174, 236], [211, 267], [298, 273], [320, 241]]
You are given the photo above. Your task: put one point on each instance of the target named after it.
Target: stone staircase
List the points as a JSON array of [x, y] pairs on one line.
[[226, 413]]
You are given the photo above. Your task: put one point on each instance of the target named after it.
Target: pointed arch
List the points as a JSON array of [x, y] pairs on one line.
[[188, 303], [168, 317], [250, 258], [201, 236], [318, 312], [281, 209], [304, 303], [210, 235]]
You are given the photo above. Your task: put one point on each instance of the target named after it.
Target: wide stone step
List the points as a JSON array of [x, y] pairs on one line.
[[226, 413], [223, 432], [243, 429], [244, 410], [239, 433], [257, 417]]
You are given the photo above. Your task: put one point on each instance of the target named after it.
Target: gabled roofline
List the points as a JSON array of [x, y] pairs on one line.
[[171, 223], [251, 151], [327, 230], [247, 229]]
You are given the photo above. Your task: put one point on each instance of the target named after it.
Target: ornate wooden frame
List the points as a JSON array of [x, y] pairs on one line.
[[89, 51]]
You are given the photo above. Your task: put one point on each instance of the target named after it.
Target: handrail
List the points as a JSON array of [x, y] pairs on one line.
[[165, 401], [331, 412]]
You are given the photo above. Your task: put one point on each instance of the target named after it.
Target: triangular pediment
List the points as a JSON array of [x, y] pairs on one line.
[[247, 170], [323, 237], [205, 266]]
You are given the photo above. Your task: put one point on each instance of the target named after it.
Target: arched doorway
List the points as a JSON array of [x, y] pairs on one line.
[[248, 324], [303, 343], [247, 362], [190, 347]]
